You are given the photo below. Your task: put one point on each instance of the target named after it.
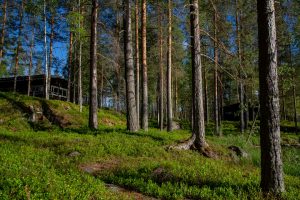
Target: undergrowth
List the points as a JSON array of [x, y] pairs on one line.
[[37, 164]]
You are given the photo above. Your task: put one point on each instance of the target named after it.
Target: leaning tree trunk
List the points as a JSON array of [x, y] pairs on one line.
[[132, 121], [144, 67], [198, 114], [271, 162], [93, 118], [137, 62], [161, 71], [169, 71], [3, 30], [19, 44]]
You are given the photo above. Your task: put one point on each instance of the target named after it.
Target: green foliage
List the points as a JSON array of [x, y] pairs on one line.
[[40, 165]]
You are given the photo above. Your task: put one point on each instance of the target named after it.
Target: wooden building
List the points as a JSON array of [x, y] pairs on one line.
[[58, 86]]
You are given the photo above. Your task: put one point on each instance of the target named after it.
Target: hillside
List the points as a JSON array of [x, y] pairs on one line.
[[47, 152]]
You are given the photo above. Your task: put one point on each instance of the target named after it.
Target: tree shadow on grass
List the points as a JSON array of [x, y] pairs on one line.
[[110, 130], [128, 180], [53, 145]]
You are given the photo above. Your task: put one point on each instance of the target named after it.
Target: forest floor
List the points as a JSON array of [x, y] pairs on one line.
[[47, 152]]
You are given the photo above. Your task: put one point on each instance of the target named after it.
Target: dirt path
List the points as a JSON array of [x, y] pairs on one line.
[[94, 168]]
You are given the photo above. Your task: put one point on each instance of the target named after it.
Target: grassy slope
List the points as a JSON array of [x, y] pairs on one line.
[[36, 163]]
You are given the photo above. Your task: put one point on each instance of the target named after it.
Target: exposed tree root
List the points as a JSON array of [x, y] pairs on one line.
[[184, 145], [190, 144]]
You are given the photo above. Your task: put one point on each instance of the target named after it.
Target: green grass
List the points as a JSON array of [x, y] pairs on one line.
[[37, 163]]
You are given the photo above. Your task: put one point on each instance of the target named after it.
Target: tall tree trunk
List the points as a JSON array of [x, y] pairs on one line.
[[74, 75], [137, 62], [240, 81], [3, 30], [144, 67], [175, 93], [46, 53], [50, 53], [70, 63], [169, 70], [271, 162], [117, 58], [93, 117], [283, 105], [79, 65], [198, 111], [132, 121], [161, 71], [216, 99], [30, 59], [205, 101], [295, 106], [19, 44], [101, 87]]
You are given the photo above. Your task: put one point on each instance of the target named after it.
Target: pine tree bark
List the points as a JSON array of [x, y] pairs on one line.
[[31, 59], [271, 162], [216, 99], [19, 44], [79, 65], [3, 30], [117, 59], [175, 115], [50, 53], [132, 121], [240, 81], [144, 67], [161, 70], [101, 103], [137, 62], [70, 63], [198, 111], [205, 100], [93, 108], [46, 53], [169, 70], [295, 106], [74, 76]]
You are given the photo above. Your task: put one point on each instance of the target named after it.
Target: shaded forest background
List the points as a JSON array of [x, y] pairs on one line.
[[228, 37]]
